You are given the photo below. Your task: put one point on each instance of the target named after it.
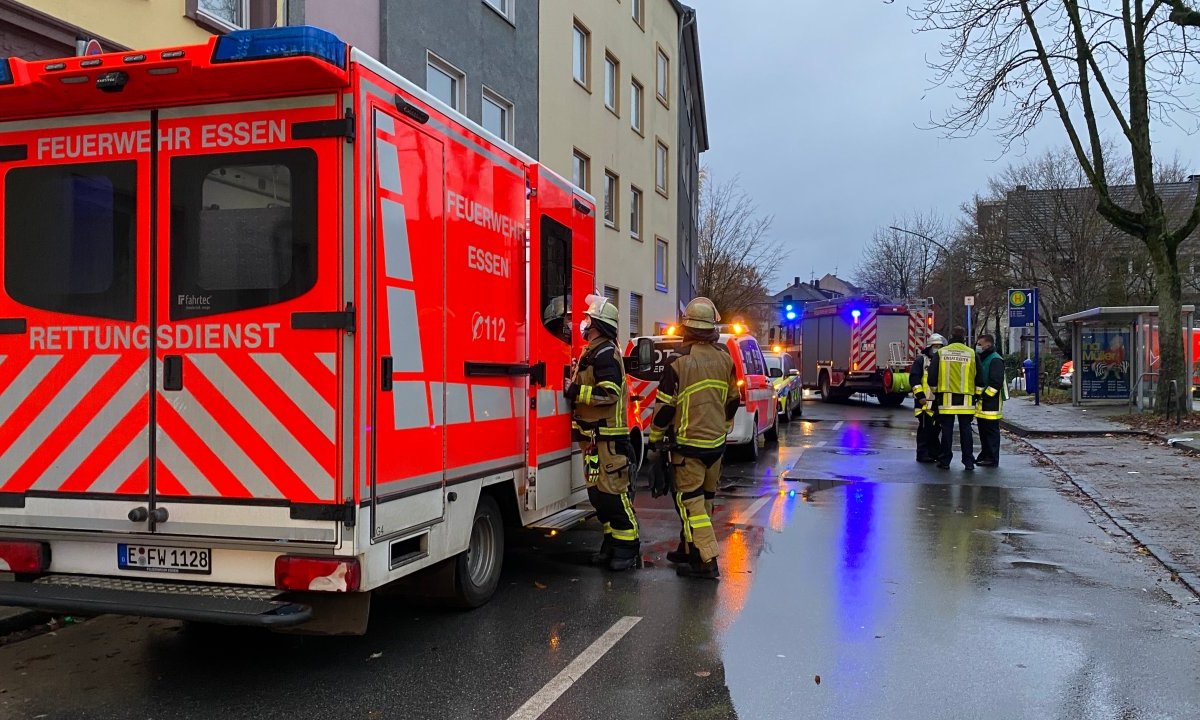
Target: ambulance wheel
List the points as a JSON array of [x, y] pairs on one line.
[[772, 433], [477, 571]]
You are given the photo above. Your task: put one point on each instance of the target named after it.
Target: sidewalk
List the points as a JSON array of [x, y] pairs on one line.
[[1146, 486]]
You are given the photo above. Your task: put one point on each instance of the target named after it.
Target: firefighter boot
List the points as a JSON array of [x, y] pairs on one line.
[[605, 553], [625, 557], [696, 568], [679, 555]]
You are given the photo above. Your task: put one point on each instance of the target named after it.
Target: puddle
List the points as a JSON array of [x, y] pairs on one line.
[[1038, 565], [856, 452]]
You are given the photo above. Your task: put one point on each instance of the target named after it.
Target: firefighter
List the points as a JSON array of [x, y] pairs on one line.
[[991, 393], [952, 377], [928, 429], [597, 395], [697, 400]]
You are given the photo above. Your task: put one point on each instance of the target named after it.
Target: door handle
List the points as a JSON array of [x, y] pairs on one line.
[[173, 372], [385, 374]]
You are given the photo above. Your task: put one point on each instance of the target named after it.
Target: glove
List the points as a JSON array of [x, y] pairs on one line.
[[572, 391]]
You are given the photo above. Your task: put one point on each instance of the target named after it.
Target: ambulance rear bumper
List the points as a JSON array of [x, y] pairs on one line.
[[225, 605]]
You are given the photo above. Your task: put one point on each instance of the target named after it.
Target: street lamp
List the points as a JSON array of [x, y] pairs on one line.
[[926, 238]]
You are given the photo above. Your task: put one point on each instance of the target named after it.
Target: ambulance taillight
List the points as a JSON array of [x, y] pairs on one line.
[[317, 574], [24, 558]]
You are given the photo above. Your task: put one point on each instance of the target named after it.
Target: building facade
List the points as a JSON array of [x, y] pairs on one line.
[[40, 29], [693, 140], [478, 56], [610, 119]]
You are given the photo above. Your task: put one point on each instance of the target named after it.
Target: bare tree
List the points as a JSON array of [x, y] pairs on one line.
[[738, 257], [898, 264], [1012, 61]]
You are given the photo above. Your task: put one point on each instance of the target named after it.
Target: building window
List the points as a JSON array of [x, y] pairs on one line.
[[581, 56], [664, 78], [233, 13], [635, 213], [662, 158], [444, 81], [504, 7], [638, 7], [613, 295], [497, 115], [636, 105], [581, 171], [612, 185], [612, 76], [635, 315], [661, 263]]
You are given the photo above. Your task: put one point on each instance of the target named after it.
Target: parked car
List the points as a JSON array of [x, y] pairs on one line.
[[757, 416], [785, 378]]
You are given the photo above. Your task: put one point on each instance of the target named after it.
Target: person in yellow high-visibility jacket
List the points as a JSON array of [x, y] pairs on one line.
[[991, 393], [952, 376]]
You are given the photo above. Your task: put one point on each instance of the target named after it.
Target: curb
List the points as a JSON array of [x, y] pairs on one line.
[[20, 620], [1025, 432], [1188, 579]]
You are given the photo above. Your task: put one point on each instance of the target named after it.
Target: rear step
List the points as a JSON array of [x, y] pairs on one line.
[[222, 604], [564, 519]]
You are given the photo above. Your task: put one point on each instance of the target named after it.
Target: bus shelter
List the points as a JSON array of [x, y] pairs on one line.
[[1116, 354]]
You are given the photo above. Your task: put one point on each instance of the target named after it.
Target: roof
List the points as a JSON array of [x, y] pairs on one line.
[[801, 292], [1125, 313]]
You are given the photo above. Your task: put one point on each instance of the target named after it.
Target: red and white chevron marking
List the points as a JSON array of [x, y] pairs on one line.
[[862, 343], [245, 426]]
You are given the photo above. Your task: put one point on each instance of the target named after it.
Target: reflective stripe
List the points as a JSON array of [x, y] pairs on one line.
[[384, 122], [665, 398], [721, 385], [699, 521], [989, 415], [607, 528], [228, 452], [404, 333], [25, 383], [992, 392], [585, 394], [53, 414], [296, 456], [610, 385], [123, 465], [300, 390], [632, 518], [410, 406], [703, 444], [85, 443], [491, 402], [397, 261], [328, 360], [186, 472], [387, 162], [683, 514], [609, 431], [656, 433]]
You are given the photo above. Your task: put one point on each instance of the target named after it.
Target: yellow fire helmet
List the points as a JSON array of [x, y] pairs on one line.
[[701, 314]]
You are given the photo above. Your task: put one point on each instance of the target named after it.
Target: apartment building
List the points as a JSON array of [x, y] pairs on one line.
[[39, 29], [478, 56], [610, 121]]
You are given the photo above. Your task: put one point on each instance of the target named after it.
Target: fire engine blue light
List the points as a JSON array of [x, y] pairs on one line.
[[6, 76], [789, 307], [856, 314], [791, 315], [268, 43]]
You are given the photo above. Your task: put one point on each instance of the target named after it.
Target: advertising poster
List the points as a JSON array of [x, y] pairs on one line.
[[1105, 371]]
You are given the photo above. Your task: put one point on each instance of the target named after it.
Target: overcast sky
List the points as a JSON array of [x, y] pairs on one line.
[[821, 105]]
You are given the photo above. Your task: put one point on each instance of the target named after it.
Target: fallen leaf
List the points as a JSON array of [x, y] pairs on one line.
[[538, 585], [703, 673], [375, 656], [817, 679]]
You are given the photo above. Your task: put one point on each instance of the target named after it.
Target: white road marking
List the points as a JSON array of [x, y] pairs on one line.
[[838, 425], [571, 674], [748, 513], [823, 443]]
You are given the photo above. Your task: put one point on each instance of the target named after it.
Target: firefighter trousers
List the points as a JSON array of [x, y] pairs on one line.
[[929, 436], [607, 466], [695, 488], [989, 438], [965, 439]]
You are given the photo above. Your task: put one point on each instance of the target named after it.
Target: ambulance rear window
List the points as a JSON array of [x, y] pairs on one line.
[[70, 238], [243, 231]]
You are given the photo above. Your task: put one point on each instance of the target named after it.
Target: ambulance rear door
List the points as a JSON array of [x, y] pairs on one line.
[[252, 322], [75, 321]]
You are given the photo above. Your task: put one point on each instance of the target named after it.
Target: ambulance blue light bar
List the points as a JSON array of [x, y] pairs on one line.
[[282, 42], [6, 76]]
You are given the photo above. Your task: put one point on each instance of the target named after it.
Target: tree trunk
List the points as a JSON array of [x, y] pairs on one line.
[[1170, 330]]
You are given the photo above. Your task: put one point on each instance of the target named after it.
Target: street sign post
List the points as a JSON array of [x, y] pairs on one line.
[[1022, 313], [969, 301]]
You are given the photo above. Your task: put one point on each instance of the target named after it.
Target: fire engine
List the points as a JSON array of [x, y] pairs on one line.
[[862, 344], [277, 328]]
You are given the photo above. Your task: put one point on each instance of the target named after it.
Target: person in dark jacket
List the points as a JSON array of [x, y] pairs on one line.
[[929, 430], [990, 392]]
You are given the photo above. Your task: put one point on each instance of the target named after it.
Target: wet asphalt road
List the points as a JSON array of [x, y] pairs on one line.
[[908, 591]]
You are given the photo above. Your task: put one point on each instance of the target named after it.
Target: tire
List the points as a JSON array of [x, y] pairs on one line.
[[891, 400], [798, 411], [826, 390], [750, 452], [772, 434], [477, 571]]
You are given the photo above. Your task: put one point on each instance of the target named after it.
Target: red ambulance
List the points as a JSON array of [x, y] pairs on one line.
[[277, 328]]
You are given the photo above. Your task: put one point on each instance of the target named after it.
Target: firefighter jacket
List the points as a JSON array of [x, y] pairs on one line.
[[952, 377], [698, 398], [990, 390], [918, 378], [598, 392]]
